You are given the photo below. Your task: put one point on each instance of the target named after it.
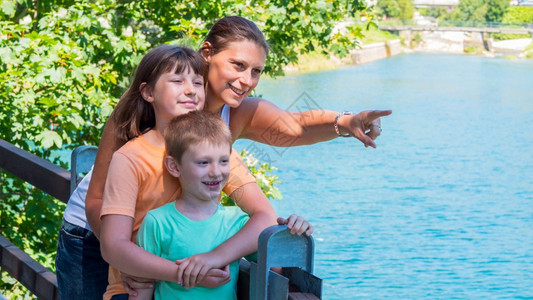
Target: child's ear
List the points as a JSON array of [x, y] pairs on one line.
[[207, 51], [146, 92], [172, 166]]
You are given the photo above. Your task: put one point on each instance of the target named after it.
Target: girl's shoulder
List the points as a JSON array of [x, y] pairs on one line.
[[140, 147]]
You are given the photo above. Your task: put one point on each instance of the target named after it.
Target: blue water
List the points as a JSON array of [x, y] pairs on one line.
[[443, 208]]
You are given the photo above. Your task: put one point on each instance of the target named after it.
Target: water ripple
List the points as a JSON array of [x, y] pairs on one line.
[[443, 208]]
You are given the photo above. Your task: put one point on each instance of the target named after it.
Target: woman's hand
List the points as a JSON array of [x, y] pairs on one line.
[[298, 225], [365, 126], [375, 129], [132, 284]]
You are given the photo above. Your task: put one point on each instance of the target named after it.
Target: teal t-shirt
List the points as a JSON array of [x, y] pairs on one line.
[[167, 233]]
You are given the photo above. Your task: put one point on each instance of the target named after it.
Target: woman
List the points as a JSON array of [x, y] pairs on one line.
[[235, 51]]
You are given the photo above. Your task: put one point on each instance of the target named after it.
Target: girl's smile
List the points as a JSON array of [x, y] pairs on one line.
[[175, 94]]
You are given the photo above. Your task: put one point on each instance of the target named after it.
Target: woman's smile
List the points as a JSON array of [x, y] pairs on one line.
[[237, 91]]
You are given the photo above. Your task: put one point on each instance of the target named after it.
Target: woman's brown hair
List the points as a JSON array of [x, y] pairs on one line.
[[233, 29], [133, 115]]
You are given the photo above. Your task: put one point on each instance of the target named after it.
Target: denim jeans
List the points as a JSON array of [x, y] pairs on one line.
[[81, 271]]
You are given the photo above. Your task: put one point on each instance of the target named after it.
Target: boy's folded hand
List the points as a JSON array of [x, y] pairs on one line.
[[216, 277], [297, 225]]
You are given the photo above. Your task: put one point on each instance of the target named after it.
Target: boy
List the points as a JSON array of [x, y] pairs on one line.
[[198, 148]]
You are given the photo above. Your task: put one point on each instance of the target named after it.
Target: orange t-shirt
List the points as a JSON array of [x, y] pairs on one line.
[[138, 181]]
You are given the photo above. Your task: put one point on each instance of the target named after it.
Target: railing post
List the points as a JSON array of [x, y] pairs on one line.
[[278, 248], [81, 161]]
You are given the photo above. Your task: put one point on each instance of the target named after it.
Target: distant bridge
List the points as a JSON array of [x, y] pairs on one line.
[[435, 3], [465, 29], [453, 3], [483, 27]]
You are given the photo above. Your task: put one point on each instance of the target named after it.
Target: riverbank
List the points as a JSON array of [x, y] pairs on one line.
[[376, 44], [381, 45], [469, 43]]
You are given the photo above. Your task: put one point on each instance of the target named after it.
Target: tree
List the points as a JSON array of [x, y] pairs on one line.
[[436, 12], [472, 10], [479, 11], [518, 14], [389, 8], [402, 9], [406, 9], [496, 9]]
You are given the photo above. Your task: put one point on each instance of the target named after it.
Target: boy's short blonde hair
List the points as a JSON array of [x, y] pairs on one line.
[[193, 128]]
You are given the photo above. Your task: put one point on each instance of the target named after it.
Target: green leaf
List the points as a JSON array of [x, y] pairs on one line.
[[6, 54], [8, 7], [48, 102], [53, 74], [49, 138]]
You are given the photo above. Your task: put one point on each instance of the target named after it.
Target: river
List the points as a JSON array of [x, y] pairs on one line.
[[443, 208]]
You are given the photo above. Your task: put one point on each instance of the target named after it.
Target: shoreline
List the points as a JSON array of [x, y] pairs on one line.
[[447, 43]]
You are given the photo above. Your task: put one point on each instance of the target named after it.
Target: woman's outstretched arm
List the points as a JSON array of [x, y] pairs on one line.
[[260, 120]]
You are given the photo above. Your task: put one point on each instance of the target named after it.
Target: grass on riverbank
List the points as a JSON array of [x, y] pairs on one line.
[[313, 62], [374, 35], [528, 52]]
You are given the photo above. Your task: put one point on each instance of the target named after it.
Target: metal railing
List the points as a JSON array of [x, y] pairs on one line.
[[429, 3], [55, 181], [484, 27]]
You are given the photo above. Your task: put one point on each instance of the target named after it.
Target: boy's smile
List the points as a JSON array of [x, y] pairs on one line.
[[203, 171]]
